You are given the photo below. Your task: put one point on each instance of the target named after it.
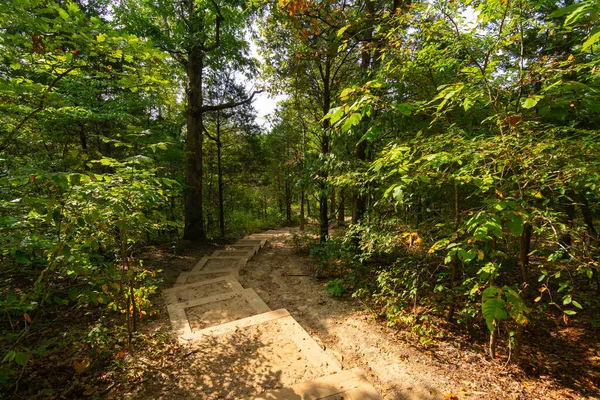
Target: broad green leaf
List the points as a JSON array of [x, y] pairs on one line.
[[592, 40], [515, 225], [21, 358], [494, 309], [351, 121], [530, 102]]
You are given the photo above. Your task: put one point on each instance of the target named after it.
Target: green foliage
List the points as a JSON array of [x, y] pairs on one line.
[[477, 165], [336, 287]]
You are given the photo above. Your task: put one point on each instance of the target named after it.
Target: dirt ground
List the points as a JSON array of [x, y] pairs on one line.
[[398, 368]]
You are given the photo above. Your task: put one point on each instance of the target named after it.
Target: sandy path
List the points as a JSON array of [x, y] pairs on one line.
[[341, 327]]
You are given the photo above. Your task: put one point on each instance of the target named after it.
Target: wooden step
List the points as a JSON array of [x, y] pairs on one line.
[[202, 289], [259, 242], [221, 309], [234, 253], [186, 278], [218, 263], [287, 326], [347, 385]]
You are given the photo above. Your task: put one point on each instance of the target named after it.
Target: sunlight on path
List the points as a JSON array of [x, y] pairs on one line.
[[275, 358]]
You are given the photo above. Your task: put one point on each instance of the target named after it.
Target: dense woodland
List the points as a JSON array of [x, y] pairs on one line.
[[445, 152]]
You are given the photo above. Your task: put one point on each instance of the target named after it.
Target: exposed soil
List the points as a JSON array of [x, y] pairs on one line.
[[245, 363]]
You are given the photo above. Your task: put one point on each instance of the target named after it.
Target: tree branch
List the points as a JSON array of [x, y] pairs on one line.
[[230, 104], [217, 41]]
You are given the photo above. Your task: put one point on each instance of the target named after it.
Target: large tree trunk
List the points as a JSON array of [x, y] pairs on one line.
[[323, 203], [194, 216]]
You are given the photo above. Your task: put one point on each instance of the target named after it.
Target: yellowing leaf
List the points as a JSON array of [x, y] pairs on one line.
[[480, 254], [82, 365], [538, 299], [89, 390]]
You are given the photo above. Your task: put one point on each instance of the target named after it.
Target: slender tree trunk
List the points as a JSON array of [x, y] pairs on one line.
[[360, 200], [194, 216], [279, 196], [524, 250], [333, 204], [323, 203], [455, 261], [288, 200], [302, 209], [341, 208], [220, 177]]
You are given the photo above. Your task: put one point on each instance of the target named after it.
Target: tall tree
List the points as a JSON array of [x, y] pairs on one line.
[[197, 34], [302, 45]]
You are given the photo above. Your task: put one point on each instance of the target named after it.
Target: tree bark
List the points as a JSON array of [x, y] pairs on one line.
[[341, 208], [288, 200], [302, 209], [333, 204], [220, 177], [323, 203], [194, 213], [360, 200]]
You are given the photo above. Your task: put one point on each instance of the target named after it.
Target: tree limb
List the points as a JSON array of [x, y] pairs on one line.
[[230, 104], [217, 41]]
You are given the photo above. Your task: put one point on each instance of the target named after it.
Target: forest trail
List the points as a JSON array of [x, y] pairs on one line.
[[247, 349]]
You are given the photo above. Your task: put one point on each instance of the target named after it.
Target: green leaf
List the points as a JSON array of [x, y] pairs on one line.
[[591, 41], [352, 120], [515, 225], [21, 358], [343, 29], [494, 309], [20, 258], [530, 102], [335, 114], [403, 108], [468, 103], [570, 312], [576, 304], [564, 11], [15, 66]]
